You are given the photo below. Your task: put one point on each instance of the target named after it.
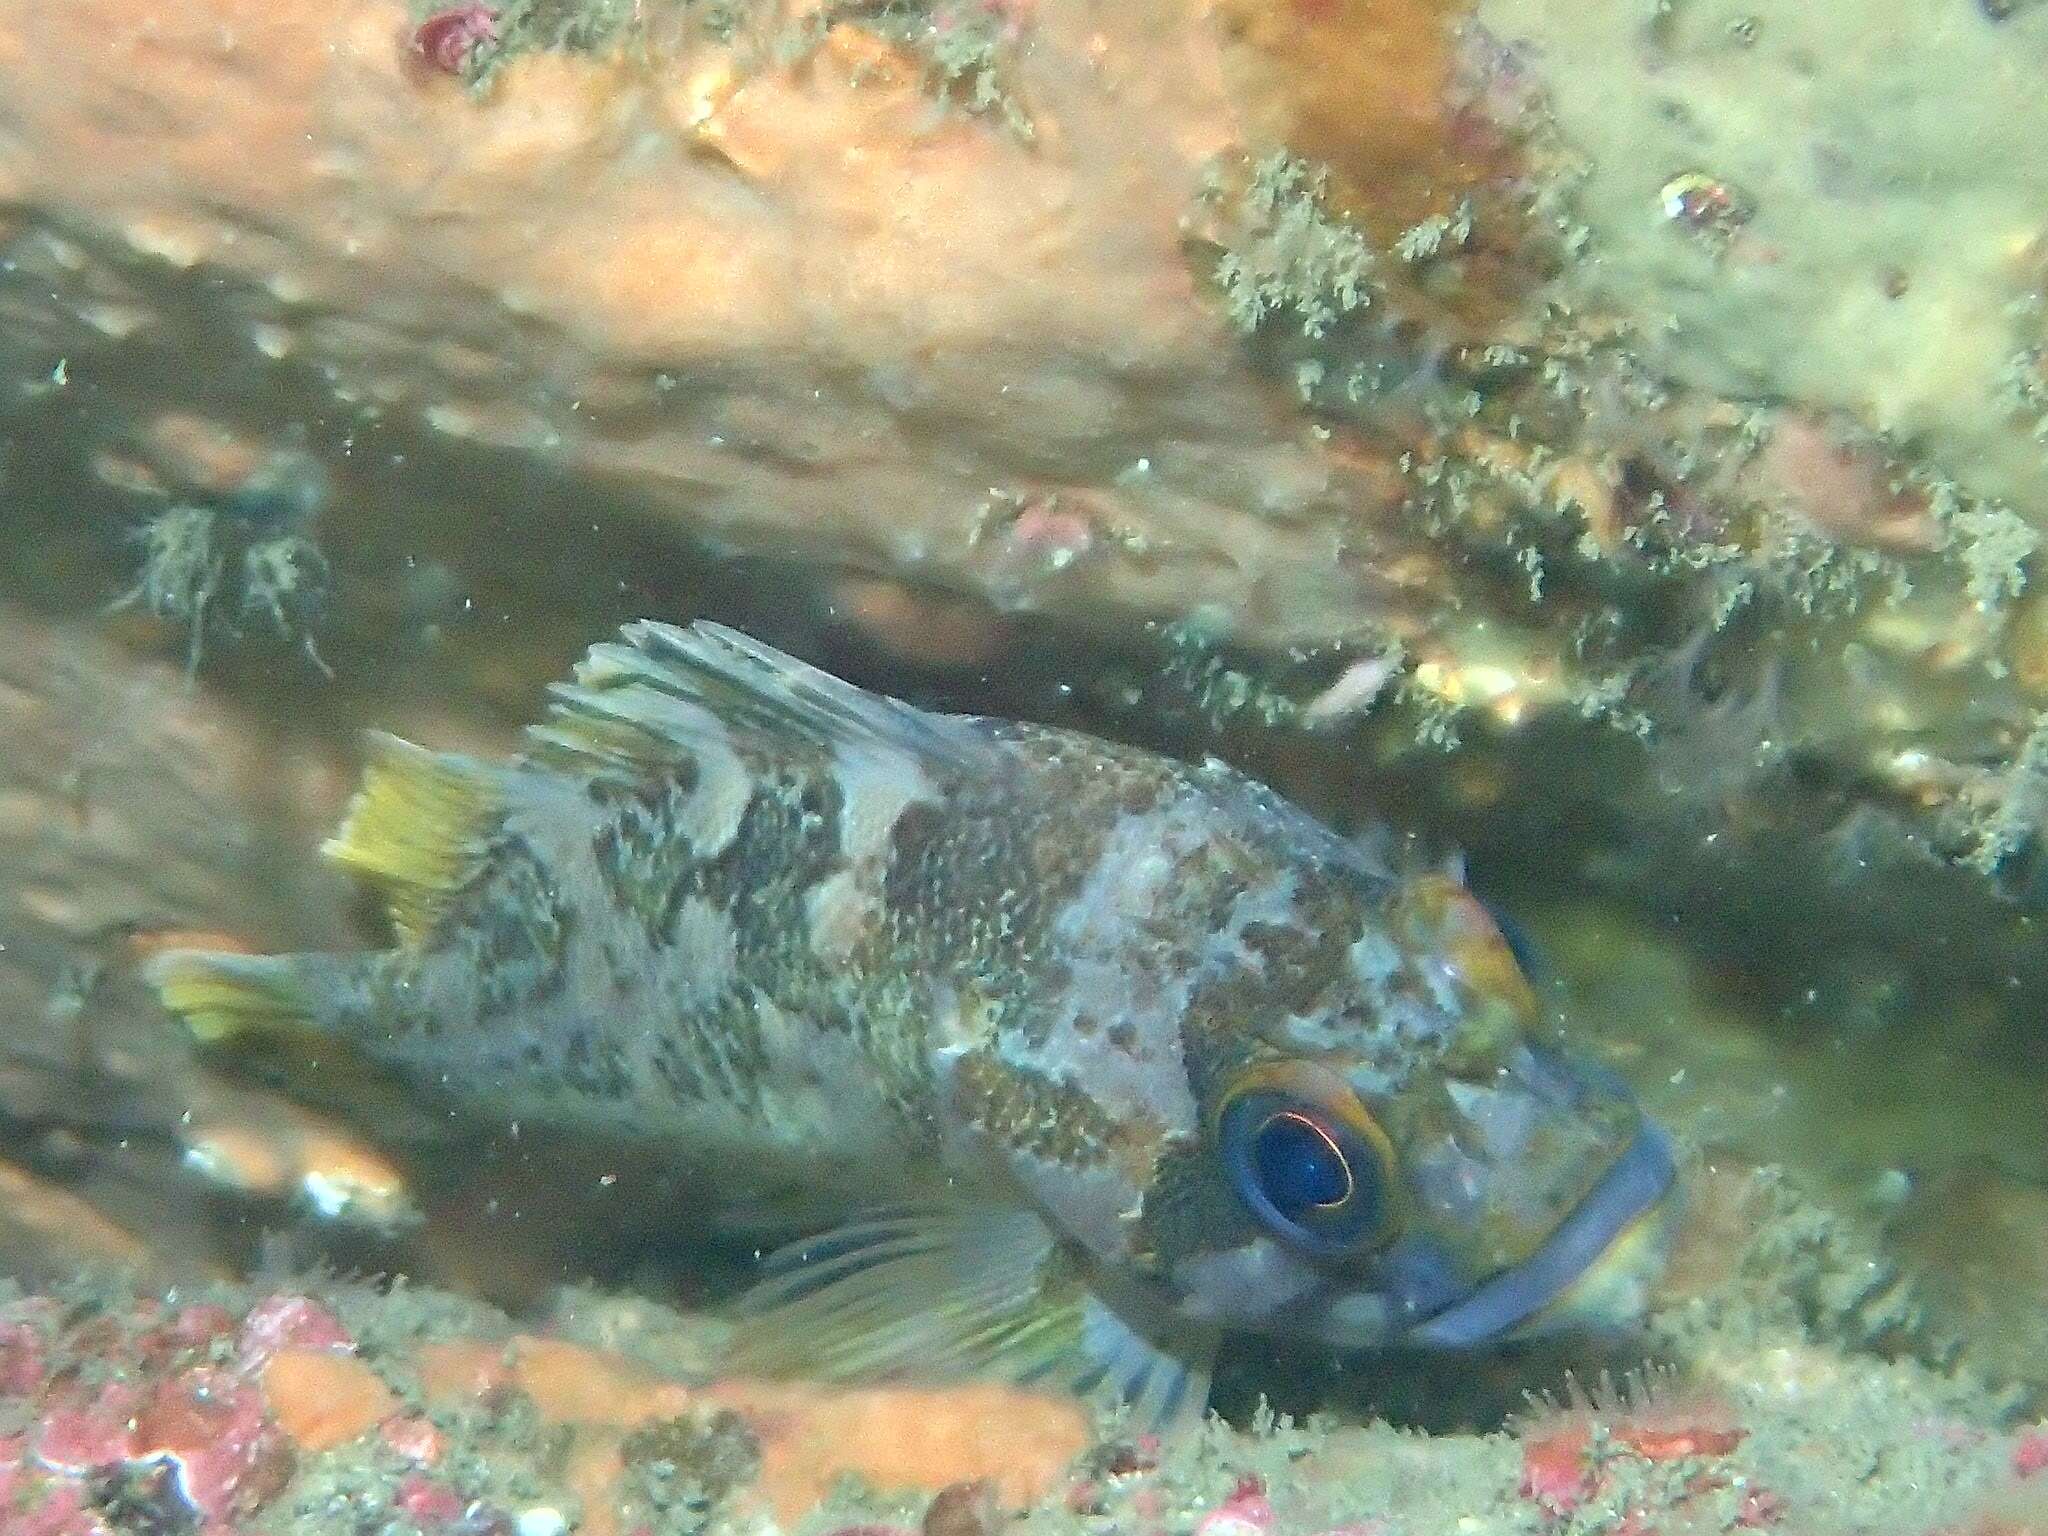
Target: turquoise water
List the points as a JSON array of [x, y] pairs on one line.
[[1786, 977]]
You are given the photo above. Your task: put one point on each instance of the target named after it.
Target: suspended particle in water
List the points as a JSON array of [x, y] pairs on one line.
[[1703, 206]]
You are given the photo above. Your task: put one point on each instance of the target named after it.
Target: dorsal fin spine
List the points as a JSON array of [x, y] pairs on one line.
[[658, 691]]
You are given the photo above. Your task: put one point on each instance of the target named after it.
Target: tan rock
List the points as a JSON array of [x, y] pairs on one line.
[[772, 301], [46, 1232], [128, 803], [1907, 302]]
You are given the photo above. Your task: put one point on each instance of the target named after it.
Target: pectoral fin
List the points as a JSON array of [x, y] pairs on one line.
[[944, 1294]]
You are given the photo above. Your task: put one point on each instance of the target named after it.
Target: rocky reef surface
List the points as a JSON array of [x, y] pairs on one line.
[[321, 1406]]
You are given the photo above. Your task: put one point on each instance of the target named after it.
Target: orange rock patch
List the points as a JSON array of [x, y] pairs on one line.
[[1366, 86], [905, 1437], [324, 1400], [919, 1439]]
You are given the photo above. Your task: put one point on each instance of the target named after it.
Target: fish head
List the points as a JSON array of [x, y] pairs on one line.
[[1410, 1164]]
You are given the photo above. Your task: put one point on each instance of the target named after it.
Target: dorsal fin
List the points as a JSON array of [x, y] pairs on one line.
[[658, 691], [418, 828]]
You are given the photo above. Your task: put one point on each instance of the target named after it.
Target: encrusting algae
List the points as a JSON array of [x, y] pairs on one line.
[[324, 1406], [1061, 1059]]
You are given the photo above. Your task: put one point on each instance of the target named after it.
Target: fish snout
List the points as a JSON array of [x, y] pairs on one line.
[[1596, 1270]]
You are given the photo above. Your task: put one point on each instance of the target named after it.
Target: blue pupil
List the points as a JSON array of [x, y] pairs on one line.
[[1299, 1167]]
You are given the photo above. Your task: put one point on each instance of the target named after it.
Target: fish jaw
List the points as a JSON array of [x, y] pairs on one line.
[[1594, 1271]]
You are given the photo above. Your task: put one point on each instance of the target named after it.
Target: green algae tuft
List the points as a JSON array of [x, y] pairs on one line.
[[1287, 254], [248, 563]]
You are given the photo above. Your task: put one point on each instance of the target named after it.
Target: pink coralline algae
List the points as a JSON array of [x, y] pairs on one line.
[[292, 1322], [446, 39], [1562, 1468], [82, 1431], [39, 1505], [211, 1434], [155, 1417], [21, 1360], [429, 1503], [1247, 1512], [415, 1438]]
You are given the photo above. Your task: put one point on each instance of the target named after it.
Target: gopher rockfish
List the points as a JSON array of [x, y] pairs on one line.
[[1074, 1056]]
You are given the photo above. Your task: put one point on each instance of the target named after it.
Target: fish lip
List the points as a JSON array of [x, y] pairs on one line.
[[1638, 1179]]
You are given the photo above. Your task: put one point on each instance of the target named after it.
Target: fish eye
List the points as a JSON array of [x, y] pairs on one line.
[[1312, 1175], [1299, 1165]]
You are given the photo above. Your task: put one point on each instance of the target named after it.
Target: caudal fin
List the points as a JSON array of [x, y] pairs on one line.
[[222, 997]]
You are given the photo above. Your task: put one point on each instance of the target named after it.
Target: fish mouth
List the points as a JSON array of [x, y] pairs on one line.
[[1596, 1264]]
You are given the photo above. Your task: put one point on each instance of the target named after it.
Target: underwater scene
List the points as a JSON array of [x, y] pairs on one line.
[[1023, 767]]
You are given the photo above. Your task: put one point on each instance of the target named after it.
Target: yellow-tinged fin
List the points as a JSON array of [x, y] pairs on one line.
[[659, 690], [221, 996], [418, 828], [944, 1294]]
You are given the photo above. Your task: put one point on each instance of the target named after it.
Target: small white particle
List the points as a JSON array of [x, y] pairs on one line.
[[326, 1197]]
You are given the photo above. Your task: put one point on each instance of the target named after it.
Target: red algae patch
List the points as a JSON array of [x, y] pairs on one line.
[[446, 39], [1568, 1447], [1670, 1443], [1557, 1467]]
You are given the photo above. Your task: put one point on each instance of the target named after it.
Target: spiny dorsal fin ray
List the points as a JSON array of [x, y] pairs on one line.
[[418, 828], [944, 1294], [659, 690]]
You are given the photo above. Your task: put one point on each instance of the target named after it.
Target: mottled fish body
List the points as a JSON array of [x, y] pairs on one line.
[[1086, 1055]]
